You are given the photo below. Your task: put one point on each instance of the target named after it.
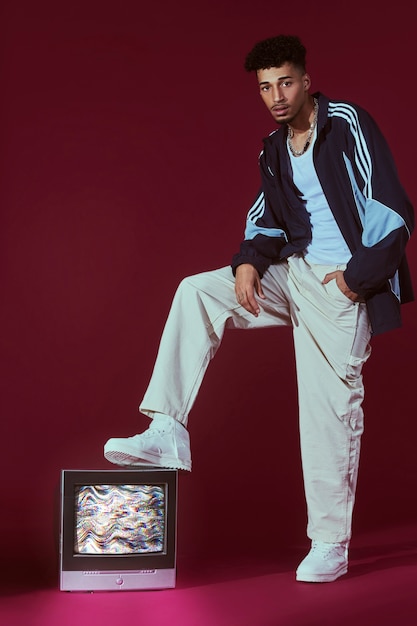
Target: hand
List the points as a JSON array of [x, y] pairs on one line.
[[341, 283], [248, 283]]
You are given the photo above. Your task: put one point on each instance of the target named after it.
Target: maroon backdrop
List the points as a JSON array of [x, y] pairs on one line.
[[130, 137]]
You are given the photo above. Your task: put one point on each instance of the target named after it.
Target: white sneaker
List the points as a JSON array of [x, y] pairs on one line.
[[324, 563], [166, 443]]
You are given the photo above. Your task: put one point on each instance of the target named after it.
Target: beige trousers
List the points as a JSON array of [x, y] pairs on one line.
[[331, 338]]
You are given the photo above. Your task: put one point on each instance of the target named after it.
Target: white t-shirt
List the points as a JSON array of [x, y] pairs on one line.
[[328, 246]]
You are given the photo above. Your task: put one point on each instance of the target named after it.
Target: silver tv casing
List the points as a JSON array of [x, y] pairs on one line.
[[124, 578]]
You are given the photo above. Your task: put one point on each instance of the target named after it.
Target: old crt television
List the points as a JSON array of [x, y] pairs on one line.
[[118, 529]]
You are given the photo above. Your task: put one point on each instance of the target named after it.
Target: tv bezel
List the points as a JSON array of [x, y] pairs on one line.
[[81, 562]]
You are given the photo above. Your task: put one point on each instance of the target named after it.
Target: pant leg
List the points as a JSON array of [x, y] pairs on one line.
[[203, 306], [331, 337]]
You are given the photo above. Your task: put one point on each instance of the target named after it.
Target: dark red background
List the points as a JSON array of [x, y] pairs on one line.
[[130, 136]]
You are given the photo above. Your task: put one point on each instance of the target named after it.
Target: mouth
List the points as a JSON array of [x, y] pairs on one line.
[[279, 110]]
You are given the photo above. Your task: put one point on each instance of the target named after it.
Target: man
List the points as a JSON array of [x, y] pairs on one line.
[[323, 252]]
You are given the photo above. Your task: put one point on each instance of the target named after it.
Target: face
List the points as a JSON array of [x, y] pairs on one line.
[[285, 92]]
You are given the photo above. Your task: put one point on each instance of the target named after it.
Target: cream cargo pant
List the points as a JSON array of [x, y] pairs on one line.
[[331, 338]]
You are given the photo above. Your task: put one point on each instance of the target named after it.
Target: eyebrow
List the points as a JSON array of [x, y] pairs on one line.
[[267, 82]]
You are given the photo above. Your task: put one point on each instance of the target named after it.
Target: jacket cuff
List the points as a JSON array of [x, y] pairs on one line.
[[261, 265]]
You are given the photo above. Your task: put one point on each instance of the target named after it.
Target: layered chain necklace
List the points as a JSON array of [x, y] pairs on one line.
[[298, 153]]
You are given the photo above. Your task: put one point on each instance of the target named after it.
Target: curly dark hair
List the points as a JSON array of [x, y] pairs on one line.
[[276, 51]]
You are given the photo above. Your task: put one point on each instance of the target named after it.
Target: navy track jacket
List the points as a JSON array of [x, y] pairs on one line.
[[359, 179]]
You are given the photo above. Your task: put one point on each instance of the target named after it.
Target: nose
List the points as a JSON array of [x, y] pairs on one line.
[[277, 94]]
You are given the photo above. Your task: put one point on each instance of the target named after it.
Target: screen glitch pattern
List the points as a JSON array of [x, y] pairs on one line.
[[119, 519]]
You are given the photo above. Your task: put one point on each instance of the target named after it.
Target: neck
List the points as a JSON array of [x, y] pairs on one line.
[[299, 142], [304, 119]]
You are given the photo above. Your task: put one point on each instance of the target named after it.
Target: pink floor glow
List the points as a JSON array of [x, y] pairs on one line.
[[380, 590]]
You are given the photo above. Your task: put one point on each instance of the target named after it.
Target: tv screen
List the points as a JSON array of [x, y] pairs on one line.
[[118, 529]]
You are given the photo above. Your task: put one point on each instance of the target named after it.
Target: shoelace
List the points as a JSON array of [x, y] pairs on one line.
[[160, 430], [325, 549]]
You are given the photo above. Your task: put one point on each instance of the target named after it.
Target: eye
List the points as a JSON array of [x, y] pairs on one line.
[[286, 83], [265, 88]]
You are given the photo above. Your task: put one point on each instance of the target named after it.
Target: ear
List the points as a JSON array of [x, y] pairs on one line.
[[307, 82]]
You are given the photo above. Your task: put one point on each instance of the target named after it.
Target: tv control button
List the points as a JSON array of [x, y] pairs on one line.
[[119, 581]]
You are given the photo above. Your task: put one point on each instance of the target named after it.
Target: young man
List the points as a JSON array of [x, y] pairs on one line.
[[324, 253]]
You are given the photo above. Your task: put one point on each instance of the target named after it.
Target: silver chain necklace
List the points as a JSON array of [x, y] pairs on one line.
[[298, 153]]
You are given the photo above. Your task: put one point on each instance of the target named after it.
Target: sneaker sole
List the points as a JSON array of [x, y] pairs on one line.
[[124, 459], [321, 578]]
